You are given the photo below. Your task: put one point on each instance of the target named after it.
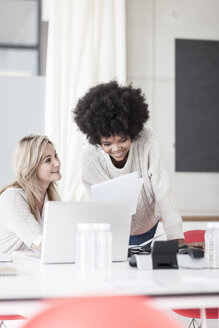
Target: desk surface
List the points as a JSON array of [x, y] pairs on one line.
[[38, 281]]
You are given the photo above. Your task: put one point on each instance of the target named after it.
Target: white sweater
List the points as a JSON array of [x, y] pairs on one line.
[[156, 200], [18, 226]]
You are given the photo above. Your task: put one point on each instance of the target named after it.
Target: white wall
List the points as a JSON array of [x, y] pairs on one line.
[[152, 26], [21, 113]]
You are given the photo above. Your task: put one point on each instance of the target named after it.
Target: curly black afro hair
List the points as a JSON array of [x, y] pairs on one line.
[[109, 109]]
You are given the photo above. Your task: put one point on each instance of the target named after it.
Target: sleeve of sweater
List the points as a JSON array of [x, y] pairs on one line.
[[18, 217], [93, 168], [164, 198]]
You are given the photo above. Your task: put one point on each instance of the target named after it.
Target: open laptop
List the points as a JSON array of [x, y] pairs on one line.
[[61, 218]]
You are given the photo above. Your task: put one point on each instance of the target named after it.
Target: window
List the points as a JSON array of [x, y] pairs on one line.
[[20, 37]]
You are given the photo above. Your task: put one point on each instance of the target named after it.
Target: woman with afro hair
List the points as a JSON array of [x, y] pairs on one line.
[[113, 119]]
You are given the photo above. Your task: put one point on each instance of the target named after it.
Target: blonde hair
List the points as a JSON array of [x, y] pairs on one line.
[[27, 156]]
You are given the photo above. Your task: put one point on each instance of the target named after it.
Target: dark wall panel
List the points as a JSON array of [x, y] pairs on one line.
[[197, 105]]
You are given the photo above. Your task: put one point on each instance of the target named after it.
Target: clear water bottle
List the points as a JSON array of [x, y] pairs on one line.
[[85, 246], [103, 246], [210, 246], [216, 244], [94, 246]]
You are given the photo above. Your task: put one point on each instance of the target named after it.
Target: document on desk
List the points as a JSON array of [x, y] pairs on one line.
[[125, 188], [5, 257], [7, 268], [144, 262]]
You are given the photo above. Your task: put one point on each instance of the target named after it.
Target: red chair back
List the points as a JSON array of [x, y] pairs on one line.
[[194, 236], [196, 313]]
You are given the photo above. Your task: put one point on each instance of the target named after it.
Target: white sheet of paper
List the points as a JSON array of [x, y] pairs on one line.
[[5, 257], [125, 188], [144, 262]]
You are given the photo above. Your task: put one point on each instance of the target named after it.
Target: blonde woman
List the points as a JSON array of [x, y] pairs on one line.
[[37, 167]]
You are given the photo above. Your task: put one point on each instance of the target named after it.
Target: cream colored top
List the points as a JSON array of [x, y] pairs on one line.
[[18, 227], [156, 199]]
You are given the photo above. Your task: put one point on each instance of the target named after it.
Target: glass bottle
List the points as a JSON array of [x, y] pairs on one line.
[[94, 246], [210, 245], [103, 246]]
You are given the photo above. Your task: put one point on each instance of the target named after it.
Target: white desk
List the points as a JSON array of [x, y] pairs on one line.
[[170, 288]]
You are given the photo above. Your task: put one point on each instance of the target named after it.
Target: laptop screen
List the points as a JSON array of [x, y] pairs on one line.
[[61, 218]]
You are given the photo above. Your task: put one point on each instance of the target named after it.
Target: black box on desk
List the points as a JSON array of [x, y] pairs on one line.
[[164, 254]]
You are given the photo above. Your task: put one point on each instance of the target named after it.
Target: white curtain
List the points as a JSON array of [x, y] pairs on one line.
[[86, 45]]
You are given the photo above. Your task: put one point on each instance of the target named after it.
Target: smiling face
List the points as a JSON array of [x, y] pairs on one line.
[[48, 169], [117, 147]]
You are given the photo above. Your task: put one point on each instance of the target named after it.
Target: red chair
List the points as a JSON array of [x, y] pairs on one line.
[[99, 312], [9, 317], [211, 313]]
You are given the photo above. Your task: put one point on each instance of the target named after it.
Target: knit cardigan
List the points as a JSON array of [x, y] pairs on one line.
[[156, 200]]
